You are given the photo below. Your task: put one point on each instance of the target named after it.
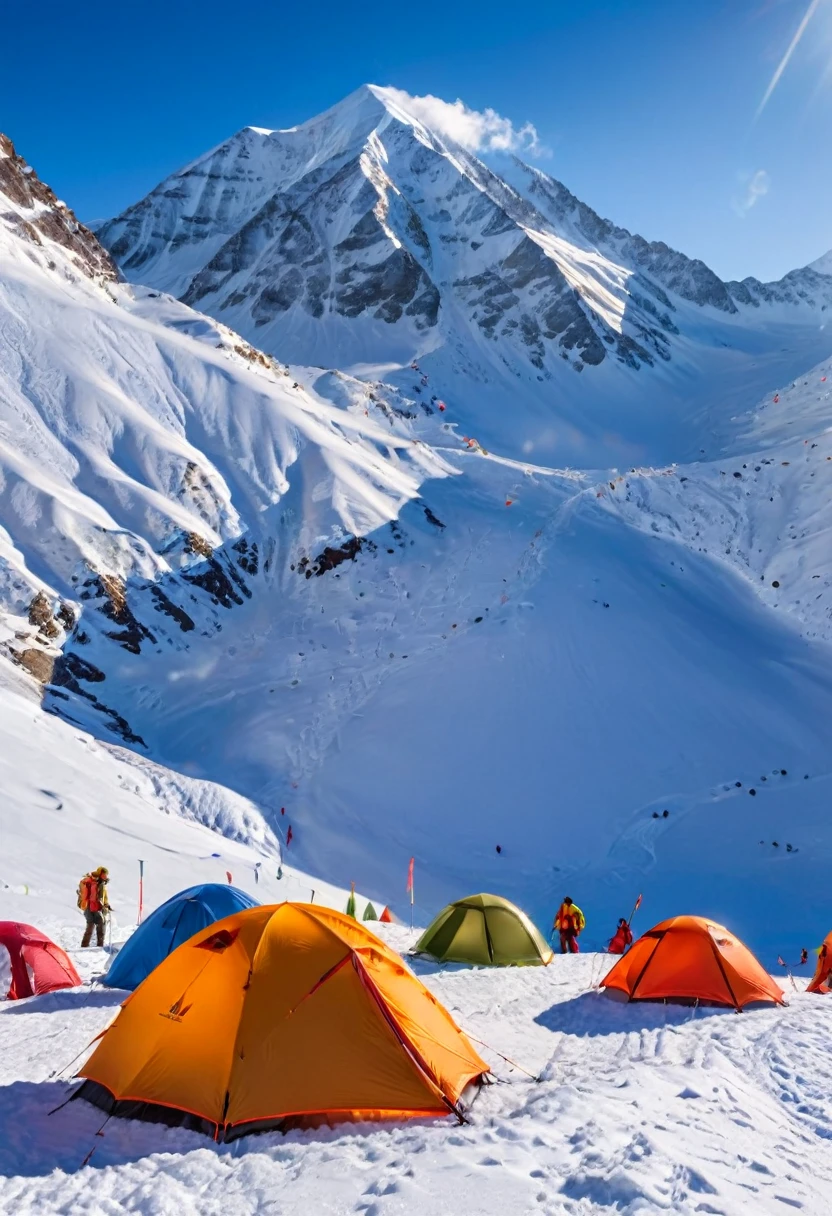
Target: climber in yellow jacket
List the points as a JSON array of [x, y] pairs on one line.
[[569, 921]]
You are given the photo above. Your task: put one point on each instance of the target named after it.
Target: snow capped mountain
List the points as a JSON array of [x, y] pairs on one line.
[[366, 236]]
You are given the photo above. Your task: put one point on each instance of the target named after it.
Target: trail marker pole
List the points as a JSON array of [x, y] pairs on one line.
[[636, 907], [788, 971], [141, 892]]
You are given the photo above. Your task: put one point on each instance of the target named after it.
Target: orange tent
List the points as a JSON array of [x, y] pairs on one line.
[[280, 1016], [690, 958], [820, 980]]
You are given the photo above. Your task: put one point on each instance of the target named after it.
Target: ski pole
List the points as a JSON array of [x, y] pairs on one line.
[[636, 907]]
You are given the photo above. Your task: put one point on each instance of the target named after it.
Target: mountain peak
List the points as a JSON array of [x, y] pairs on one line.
[[822, 265], [381, 230]]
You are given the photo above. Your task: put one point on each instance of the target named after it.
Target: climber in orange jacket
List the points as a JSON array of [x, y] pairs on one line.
[[622, 938], [94, 903], [569, 921]]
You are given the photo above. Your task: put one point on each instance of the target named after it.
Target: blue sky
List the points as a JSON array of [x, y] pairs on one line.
[[647, 106]]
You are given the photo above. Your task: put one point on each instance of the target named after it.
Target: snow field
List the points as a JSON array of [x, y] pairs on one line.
[[639, 1109]]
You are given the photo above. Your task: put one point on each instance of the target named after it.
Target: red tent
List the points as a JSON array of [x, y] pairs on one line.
[[31, 964]]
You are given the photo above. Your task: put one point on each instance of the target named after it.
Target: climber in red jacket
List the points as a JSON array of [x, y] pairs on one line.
[[622, 938]]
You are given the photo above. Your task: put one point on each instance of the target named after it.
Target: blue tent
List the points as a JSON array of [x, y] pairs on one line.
[[169, 926]]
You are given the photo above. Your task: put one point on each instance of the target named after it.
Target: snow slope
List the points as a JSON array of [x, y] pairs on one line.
[[638, 1109], [71, 803]]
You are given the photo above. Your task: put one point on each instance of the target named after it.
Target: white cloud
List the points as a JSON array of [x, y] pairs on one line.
[[757, 185], [478, 131]]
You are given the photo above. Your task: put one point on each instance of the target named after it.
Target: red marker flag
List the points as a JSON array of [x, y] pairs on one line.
[[410, 889], [228, 876], [636, 907]]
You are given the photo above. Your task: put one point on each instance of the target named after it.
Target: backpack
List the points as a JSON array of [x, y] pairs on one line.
[[85, 891]]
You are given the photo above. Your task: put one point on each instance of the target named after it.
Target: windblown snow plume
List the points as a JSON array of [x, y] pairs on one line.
[[476, 130]]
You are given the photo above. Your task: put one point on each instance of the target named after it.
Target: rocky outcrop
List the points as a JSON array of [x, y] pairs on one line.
[[39, 663], [40, 218], [40, 615]]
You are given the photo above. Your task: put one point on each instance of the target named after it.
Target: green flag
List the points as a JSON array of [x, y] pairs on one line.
[[351, 902]]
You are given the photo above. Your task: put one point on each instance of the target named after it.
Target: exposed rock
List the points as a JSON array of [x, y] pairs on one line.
[[334, 555], [71, 672], [110, 593], [248, 558], [66, 615], [219, 581], [197, 544], [39, 663], [40, 615], [164, 604], [48, 217], [431, 518]]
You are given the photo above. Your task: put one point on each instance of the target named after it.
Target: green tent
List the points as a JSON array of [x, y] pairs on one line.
[[487, 930]]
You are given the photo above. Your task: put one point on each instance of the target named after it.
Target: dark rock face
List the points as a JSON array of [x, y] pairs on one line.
[[219, 578], [50, 218], [71, 674], [297, 266], [109, 595], [333, 556], [166, 605]]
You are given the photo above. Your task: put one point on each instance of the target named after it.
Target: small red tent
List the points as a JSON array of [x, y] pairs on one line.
[[31, 964], [820, 981]]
